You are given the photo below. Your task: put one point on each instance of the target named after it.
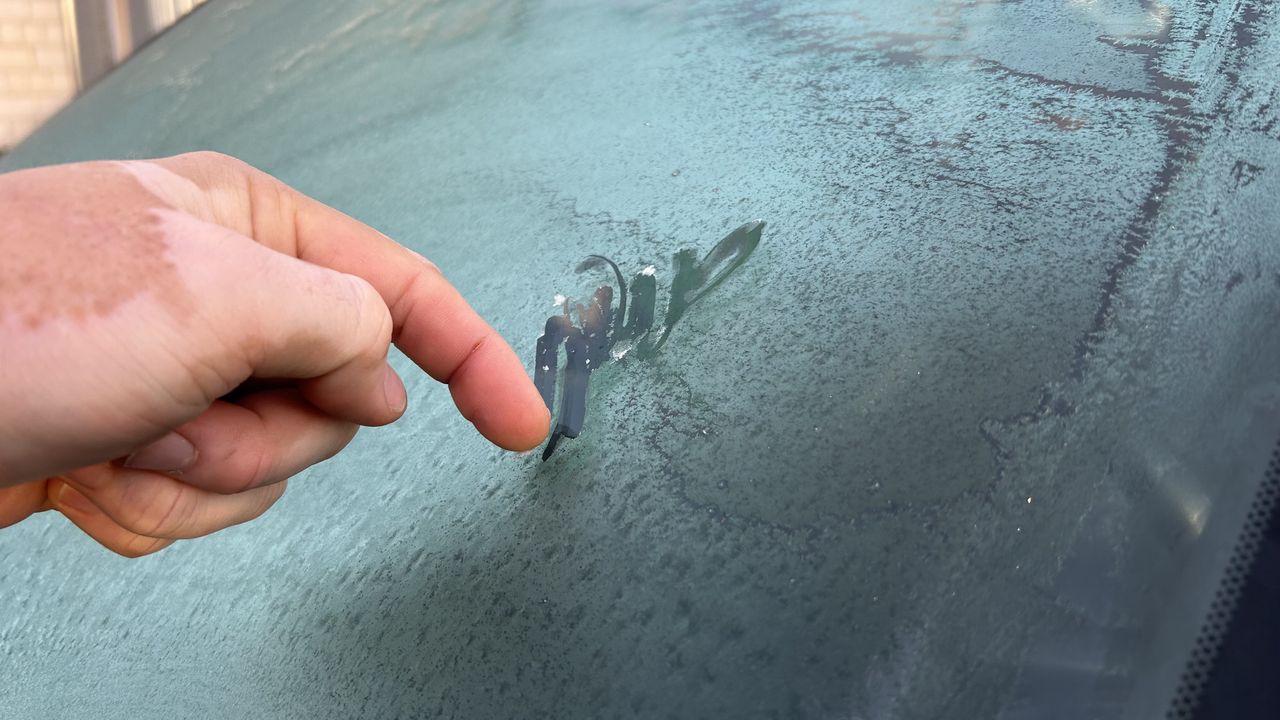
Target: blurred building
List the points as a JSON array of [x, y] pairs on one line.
[[51, 49]]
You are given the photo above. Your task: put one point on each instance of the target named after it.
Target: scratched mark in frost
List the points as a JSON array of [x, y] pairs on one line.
[[604, 333]]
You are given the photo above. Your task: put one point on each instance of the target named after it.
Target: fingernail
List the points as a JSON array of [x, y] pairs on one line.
[[171, 453], [393, 388], [73, 499]]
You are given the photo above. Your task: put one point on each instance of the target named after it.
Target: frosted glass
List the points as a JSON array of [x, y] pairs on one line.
[[968, 435]]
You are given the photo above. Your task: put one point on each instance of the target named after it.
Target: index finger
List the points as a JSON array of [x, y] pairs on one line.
[[433, 324]]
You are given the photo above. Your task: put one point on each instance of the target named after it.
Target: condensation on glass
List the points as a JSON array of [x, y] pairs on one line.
[[967, 437]]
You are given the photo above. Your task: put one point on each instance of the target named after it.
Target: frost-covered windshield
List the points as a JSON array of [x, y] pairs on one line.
[[968, 435]]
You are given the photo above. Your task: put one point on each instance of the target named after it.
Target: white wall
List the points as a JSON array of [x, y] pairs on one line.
[[37, 74], [39, 55]]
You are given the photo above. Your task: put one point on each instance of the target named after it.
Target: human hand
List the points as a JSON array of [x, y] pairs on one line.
[[179, 336]]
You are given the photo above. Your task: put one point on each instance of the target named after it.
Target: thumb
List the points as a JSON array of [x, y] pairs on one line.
[[290, 319]]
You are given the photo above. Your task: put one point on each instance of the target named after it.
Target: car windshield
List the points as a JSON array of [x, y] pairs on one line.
[[970, 431]]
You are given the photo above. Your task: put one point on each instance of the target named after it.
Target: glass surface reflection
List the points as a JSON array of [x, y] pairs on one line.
[[603, 334]]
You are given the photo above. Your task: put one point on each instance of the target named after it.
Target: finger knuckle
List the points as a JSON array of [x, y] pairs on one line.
[[342, 438], [140, 546], [145, 510], [251, 465], [269, 498], [209, 158]]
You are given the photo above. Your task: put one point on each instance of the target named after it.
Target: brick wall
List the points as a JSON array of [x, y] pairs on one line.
[[36, 72]]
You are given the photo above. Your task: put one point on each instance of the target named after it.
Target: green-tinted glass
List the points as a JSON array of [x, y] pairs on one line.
[[968, 435]]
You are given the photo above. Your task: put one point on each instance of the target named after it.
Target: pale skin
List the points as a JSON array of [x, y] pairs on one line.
[[180, 336]]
